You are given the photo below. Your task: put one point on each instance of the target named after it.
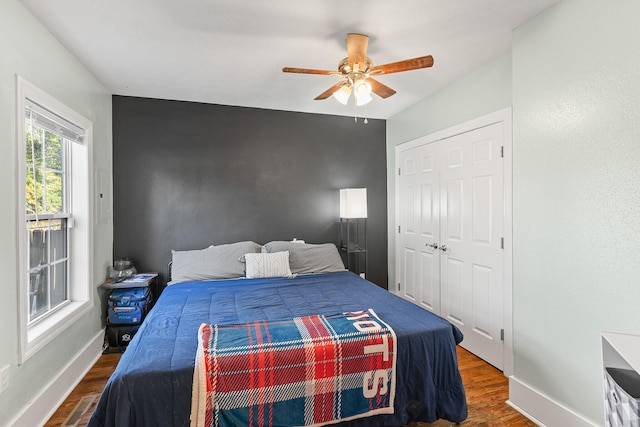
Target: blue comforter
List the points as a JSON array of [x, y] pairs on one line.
[[152, 384]]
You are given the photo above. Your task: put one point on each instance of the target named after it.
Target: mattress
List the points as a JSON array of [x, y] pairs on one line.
[[152, 383]]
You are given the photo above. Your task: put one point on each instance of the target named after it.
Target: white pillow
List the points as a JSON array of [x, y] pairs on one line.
[[267, 264]]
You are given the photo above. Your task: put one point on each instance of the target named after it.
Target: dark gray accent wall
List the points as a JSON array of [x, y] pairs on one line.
[[189, 175]]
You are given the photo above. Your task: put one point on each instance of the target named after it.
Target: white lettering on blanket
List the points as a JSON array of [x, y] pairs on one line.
[[374, 382]]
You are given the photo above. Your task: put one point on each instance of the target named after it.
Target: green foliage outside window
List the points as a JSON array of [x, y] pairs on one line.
[[44, 155], [47, 241]]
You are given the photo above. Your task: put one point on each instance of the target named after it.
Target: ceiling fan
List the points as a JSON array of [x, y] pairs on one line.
[[357, 70]]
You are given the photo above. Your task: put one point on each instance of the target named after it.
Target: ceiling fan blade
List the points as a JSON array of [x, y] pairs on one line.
[[357, 48], [306, 71], [327, 93], [383, 91], [406, 65]]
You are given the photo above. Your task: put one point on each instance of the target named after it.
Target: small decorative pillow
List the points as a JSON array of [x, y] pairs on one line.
[[267, 264]]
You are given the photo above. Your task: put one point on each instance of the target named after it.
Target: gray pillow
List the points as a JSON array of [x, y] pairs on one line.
[[305, 258], [212, 263]]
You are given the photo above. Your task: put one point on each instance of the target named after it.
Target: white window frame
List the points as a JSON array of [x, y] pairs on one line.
[[34, 336]]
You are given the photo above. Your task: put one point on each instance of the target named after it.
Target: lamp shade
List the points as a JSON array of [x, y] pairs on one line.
[[353, 203]]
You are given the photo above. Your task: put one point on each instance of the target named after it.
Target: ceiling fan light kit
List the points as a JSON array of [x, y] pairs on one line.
[[356, 71], [342, 95], [362, 92]]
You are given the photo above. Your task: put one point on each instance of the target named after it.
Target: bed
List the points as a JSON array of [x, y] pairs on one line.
[[152, 384]]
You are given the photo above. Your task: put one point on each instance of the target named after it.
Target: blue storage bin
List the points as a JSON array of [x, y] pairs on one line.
[[128, 306]]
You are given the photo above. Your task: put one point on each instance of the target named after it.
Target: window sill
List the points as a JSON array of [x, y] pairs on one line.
[[43, 332]]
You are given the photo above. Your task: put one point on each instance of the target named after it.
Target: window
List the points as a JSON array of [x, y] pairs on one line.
[[47, 212], [54, 211]]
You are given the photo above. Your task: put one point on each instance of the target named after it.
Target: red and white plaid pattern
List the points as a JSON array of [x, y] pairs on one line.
[[310, 370]]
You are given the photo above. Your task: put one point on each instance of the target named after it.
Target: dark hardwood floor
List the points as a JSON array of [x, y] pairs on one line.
[[486, 388]]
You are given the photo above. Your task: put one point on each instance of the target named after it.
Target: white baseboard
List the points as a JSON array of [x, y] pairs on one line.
[[542, 409], [45, 404]]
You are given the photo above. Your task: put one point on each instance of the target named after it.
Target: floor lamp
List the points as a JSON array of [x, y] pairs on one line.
[[353, 229]]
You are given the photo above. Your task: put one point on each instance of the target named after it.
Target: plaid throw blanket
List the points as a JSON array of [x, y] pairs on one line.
[[310, 370]]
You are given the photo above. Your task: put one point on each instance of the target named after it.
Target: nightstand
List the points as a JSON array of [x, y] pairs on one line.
[[129, 301], [353, 244]]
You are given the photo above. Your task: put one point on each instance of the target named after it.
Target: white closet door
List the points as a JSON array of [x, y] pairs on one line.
[[449, 256], [472, 228], [418, 260]]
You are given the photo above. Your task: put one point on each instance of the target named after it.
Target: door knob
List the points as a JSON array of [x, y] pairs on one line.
[[444, 248], [433, 245]]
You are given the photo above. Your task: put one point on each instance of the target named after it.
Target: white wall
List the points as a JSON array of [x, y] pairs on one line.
[[27, 49], [575, 91], [482, 92], [576, 183]]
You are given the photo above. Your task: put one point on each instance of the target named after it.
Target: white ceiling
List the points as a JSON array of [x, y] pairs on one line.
[[232, 52]]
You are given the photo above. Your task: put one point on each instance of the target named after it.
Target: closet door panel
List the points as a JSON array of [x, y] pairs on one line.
[[453, 295], [429, 213], [409, 274], [481, 277], [472, 224], [454, 205], [482, 210], [419, 261], [429, 271]]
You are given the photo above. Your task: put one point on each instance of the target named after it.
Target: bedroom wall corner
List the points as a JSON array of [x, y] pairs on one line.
[[25, 45]]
